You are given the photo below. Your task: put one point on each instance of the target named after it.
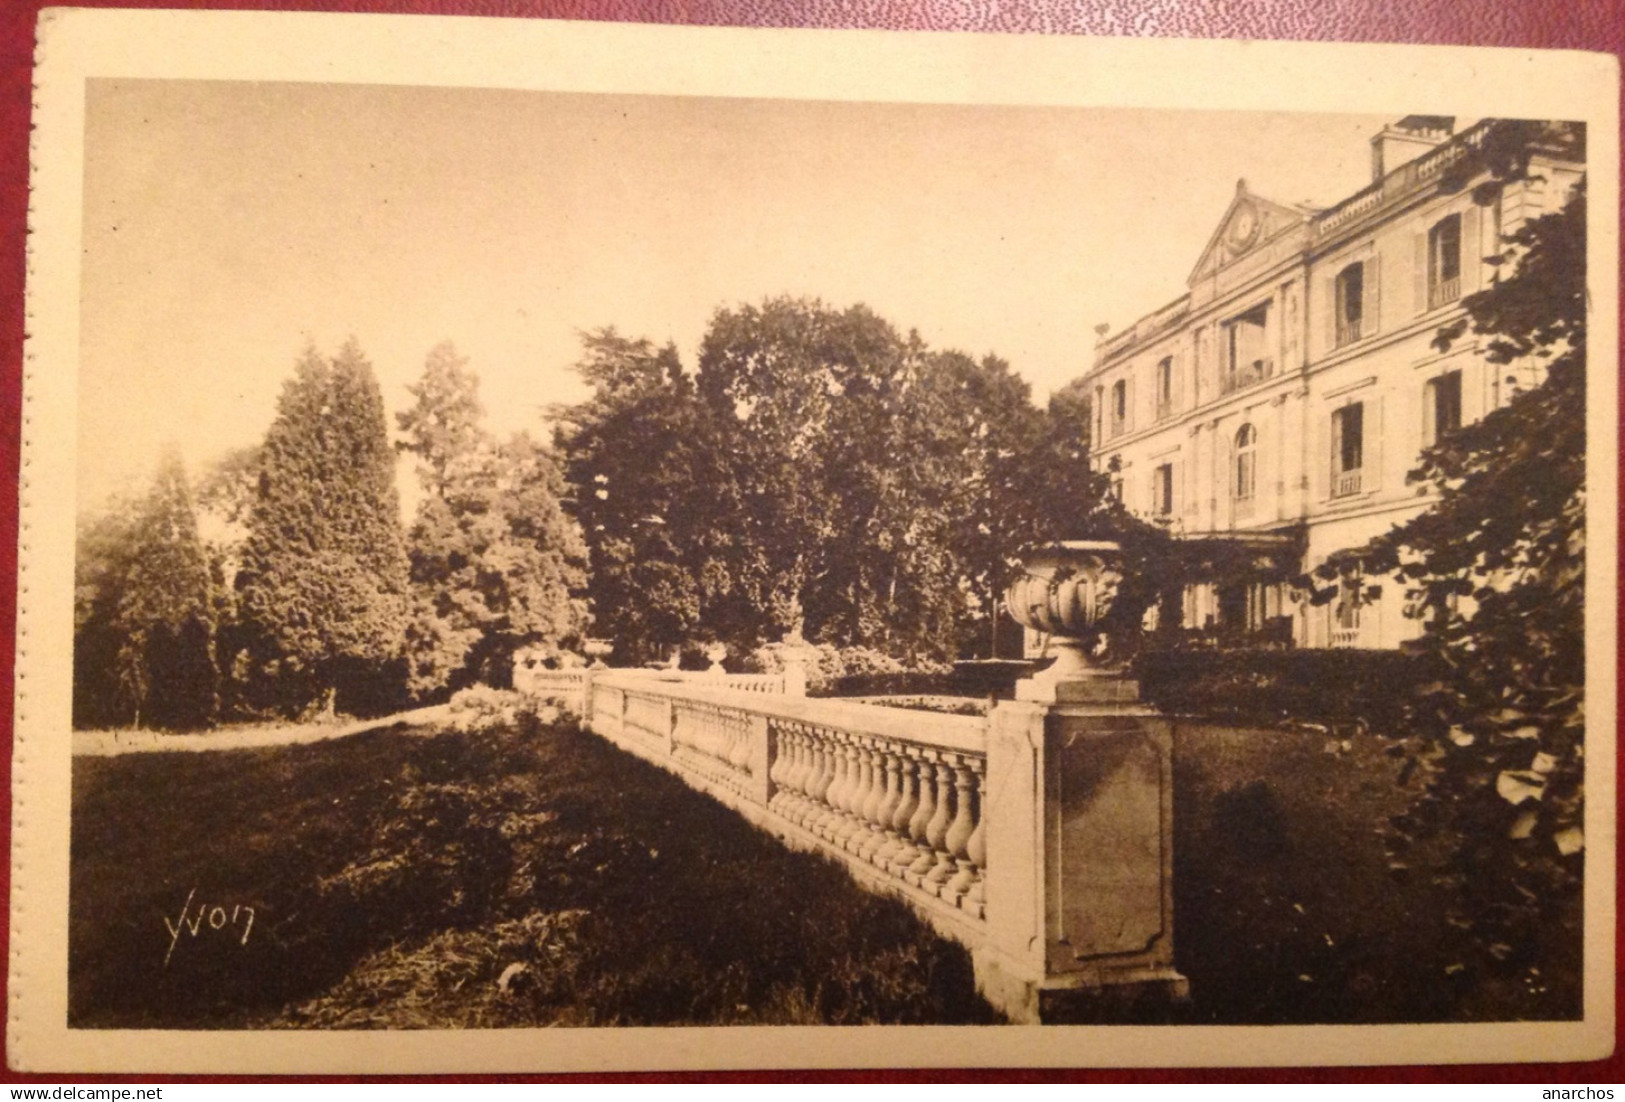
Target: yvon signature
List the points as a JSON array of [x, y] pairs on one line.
[[216, 918]]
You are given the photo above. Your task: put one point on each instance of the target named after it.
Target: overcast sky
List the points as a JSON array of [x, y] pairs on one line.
[[229, 224]]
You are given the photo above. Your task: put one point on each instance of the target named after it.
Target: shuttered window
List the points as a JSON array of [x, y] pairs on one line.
[[1348, 449]]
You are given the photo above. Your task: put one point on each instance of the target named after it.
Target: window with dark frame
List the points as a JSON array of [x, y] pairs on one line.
[[1165, 387], [1349, 291], [1119, 406], [1246, 470], [1444, 261], [1246, 350], [1348, 449], [1442, 402], [1345, 611], [1163, 490]]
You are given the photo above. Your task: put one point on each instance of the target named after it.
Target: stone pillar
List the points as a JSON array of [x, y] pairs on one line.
[[1010, 968], [762, 756], [795, 676], [1079, 836]]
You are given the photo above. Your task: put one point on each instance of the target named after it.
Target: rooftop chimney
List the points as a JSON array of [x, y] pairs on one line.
[[1407, 140]]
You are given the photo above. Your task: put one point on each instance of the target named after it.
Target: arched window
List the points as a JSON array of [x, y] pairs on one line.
[[1119, 406], [1246, 470]]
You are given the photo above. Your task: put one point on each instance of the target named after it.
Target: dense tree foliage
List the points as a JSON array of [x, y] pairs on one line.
[[1497, 568], [144, 613], [819, 473], [495, 562], [322, 584], [651, 490]]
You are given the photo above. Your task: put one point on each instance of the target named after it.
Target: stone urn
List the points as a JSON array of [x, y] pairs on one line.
[[1066, 589], [715, 653], [596, 651]]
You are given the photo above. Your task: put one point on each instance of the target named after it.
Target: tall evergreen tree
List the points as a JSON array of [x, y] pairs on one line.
[[495, 563], [323, 579], [145, 615], [102, 557], [443, 426]]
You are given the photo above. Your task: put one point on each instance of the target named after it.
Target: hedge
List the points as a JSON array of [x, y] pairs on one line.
[[1335, 687]]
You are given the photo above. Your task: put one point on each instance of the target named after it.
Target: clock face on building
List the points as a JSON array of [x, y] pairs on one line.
[[1243, 227]]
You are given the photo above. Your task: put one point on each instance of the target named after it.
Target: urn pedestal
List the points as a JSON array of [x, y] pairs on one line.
[[1080, 845]]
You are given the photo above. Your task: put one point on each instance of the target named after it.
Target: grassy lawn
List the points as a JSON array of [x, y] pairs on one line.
[[422, 879], [396, 878]]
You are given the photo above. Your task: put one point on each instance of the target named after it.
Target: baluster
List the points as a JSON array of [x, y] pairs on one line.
[[781, 762], [903, 852], [919, 827], [867, 838], [739, 753], [884, 841], [936, 831], [801, 777], [877, 787], [716, 735], [852, 795], [835, 794], [823, 778], [779, 771], [682, 727], [853, 829], [786, 764], [805, 780], [959, 833], [976, 848]]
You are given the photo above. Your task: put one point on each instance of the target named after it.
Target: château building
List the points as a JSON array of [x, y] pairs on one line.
[[1279, 403]]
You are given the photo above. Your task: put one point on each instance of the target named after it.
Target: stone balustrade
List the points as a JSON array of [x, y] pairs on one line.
[[568, 687], [893, 793], [1039, 836]]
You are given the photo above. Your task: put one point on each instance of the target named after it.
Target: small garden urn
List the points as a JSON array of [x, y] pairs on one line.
[[596, 651], [715, 653], [1065, 591]]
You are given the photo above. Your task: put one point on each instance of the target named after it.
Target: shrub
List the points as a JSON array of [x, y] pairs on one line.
[[848, 671], [1341, 687], [479, 709]]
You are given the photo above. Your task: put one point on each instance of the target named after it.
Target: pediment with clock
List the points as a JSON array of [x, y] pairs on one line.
[[1251, 224]]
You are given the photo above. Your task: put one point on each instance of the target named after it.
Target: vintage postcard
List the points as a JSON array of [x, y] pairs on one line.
[[564, 547]]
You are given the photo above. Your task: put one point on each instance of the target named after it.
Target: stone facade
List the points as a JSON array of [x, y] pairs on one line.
[[1292, 387]]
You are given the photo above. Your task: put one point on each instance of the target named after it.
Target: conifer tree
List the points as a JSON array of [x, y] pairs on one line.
[[166, 611], [495, 562], [144, 613], [323, 581]]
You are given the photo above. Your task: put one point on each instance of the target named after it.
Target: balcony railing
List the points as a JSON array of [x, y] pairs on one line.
[[1346, 483], [1403, 181], [1444, 291], [1346, 637], [1244, 375], [1348, 331], [1165, 409]]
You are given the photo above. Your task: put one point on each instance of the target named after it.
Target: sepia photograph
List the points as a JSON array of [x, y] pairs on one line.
[[701, 551]]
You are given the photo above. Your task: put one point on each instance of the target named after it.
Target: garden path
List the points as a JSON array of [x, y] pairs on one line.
[[113, 743]]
